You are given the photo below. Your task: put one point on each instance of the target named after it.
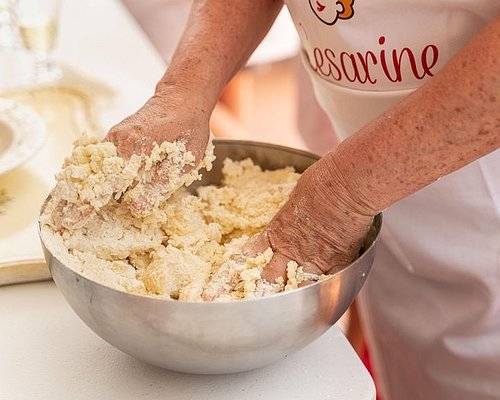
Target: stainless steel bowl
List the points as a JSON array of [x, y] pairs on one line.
[[216, 338]]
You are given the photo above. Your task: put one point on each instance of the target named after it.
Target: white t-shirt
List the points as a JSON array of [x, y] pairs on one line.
[[431, 305]]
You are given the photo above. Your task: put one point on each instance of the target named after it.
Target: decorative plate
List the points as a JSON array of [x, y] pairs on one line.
[[22, 133]]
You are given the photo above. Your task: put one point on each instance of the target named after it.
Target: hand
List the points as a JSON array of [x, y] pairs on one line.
[[165, 117], [169, 116], [321, 227]]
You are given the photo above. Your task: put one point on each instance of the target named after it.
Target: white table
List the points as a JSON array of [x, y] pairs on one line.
[[46, 352], [101, 39]]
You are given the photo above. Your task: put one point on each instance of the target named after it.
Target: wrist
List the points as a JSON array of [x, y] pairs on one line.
[[335, 182], [321, 224], [175, 100], [188, 92]]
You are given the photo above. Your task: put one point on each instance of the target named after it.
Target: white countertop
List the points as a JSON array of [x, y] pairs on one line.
[[99, 38], [46, 352]]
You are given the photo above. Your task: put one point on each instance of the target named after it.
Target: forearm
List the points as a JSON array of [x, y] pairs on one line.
[[449, 122], [218, 39]]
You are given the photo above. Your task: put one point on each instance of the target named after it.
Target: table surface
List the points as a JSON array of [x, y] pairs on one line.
[[47, 352], [101, 47]]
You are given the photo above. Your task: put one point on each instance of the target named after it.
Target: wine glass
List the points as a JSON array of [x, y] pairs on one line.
[[8, 28], [38, 23]]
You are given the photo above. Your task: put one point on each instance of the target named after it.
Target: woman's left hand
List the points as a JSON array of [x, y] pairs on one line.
[[321, 227]]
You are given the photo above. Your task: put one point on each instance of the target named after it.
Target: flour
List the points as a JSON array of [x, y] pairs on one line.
[[187, 246]]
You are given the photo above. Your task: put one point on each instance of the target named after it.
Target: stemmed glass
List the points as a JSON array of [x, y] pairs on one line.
[[38, 23], [8, 28]]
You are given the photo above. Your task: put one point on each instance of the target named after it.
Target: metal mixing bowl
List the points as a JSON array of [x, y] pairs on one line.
[[215, 338]]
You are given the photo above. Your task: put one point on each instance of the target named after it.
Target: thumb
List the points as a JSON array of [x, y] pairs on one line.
[[276, 268], [129, 138]]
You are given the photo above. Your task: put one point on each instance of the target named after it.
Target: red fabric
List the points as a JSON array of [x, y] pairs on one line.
[[365, 358]]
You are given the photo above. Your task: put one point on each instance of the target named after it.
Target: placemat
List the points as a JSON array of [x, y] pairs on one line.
[[69, 109]]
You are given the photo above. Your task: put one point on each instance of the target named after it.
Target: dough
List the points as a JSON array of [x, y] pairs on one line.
[[187, 245]]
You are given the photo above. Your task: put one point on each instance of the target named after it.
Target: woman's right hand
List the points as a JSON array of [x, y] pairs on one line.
[[170, 116]]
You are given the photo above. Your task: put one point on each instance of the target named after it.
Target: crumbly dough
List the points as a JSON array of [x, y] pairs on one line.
[[187, 246]]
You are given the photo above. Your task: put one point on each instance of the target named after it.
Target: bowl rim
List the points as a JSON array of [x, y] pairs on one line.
[[377, 223], [254, 143]]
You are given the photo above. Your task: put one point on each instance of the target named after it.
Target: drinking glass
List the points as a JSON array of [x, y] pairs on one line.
[[8, 28], [38, 23]]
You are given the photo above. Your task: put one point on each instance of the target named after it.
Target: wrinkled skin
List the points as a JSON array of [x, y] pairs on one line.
[[162, 118], [321, 227]]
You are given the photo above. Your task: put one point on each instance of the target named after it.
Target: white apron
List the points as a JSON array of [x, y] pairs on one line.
[[431, 307]]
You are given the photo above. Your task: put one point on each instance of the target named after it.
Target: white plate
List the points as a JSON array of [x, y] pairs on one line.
[[22, 133]]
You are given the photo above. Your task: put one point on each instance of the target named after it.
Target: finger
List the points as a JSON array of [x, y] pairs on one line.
[[129, 138], [336, 269], [311, 273], [227, 276], [71, 216], [145, 197], [275, 269], [310, 268], [196, 140], [223, 281], [257, 244]]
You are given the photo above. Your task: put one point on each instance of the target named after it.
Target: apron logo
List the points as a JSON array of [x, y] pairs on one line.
[[329, 11]]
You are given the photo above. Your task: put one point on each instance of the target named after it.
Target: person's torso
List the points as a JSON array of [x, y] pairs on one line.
[[364, 56], [434, 290]]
